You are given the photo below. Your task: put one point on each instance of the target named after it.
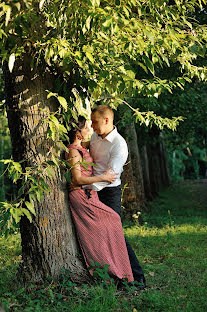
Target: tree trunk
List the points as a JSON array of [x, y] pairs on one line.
[[153, 170], [129, 199], [136, 163], [165, 176], [133, 195], [146, 173], [158, 165], [48, 242]]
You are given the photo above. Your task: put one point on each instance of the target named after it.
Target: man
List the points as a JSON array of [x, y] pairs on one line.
[[109, 150]]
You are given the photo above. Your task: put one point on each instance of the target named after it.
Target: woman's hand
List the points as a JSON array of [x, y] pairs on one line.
[[109, 176]]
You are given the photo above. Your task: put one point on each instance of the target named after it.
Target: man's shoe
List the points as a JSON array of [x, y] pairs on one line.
[[140, 284]]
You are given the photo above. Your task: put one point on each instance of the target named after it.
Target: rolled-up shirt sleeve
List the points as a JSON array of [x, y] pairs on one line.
[[118, 157]]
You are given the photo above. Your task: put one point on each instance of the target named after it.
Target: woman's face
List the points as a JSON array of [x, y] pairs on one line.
[[85, 131]]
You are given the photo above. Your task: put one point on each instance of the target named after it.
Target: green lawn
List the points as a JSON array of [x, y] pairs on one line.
[[171, 245]]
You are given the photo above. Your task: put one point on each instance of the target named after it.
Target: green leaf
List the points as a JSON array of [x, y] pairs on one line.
[[21, 190], [18, 6], [51, 94], [90, 57], [41, 3], [54, 120], [11, 62], [27, 214], [39, 195], [78, 54], [16, 214], [130, 73], [51, 172], [16, 176], [149, 64], [17, 167], [107, 22], [30, 206], [44, 185], [88, 21], [143, 66], [63, 129], [8, 15], [67, 176], [6, 161], [80, 63], [63, 102]]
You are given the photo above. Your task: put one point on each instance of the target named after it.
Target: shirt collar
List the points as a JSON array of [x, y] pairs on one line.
[[111, 135]]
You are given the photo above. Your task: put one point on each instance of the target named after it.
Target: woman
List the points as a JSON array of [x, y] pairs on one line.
[[98, 227]]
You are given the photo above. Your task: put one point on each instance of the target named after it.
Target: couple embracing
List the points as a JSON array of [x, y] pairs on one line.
[[95, 196]]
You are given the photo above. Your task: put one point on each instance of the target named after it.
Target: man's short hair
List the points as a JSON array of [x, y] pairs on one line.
[[103, 110]]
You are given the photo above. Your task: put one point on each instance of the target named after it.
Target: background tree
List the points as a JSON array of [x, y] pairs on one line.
[[109, 50]]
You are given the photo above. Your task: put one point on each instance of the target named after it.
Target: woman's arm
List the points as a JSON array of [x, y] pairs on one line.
[[74, 160]]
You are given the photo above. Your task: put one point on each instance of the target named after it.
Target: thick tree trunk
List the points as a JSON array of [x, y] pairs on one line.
[[133, 195], [49, 242]]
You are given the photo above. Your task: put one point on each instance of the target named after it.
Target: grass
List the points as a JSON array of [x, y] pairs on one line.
[[171, 245]]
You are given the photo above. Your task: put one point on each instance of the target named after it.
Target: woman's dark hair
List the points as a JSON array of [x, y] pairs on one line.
[[76, 126]]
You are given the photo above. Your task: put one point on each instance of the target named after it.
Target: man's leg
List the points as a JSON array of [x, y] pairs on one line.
[[111, 196]]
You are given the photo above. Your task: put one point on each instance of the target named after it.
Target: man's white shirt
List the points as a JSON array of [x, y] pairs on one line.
[[110, 152]]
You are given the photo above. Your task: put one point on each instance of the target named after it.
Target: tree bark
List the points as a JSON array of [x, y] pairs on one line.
[[152, 169], [48, 243], [165, 175], [158, 165], [146, 173], [133, 195], [154, 164]]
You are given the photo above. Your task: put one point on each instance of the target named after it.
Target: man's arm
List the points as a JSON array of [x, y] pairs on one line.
[[118, 157]]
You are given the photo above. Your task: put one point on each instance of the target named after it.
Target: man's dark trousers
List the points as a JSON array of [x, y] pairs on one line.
[[111, 196]]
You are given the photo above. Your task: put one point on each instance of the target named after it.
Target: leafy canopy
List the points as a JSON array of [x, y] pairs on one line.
[[111, 48]]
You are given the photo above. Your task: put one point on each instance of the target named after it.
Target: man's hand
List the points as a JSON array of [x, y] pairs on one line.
[[109, 176]]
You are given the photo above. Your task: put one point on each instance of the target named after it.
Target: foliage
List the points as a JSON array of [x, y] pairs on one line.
[[187, 161], [171, 247], [107, 47], [32, 189], [187, 149]]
